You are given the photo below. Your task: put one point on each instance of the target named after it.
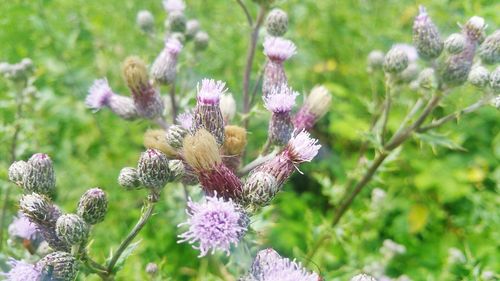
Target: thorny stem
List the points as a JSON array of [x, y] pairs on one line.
[[148, 211], [249, 61], [13, 156]]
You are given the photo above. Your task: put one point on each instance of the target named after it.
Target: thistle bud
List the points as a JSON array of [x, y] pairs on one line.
[[479, 76], [235, 141], [185, 120], [227, 107], [176, 21], [100, 95], [152, 269], [455, 43], [179, 36], [375, 60], [93, 206], [145, 21], [174, 5], [207, 114], [192, 27], [201, 152], [316, 105], [489, 51], [409, 74], [39, 175], [259, 189], [153, 169], [16, 172], [175, 136], [72, 229], [164, 69], [177, 169], [280, 102], [201, 40], [363, 277], [157, 139], [277, 22], [426, 36], [474, 28], [58, 266], [396, 60], [129, 179], [147, 101], [38, 208], [277, 51], [495, 80], [427, 79]]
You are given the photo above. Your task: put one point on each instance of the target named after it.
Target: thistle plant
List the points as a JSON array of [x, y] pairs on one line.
[[204, 150]]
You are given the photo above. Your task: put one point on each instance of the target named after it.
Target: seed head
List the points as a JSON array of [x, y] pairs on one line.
[[129, 178], [201, 150], [135, 74], [235, 140], [72, 229], [153, 169], [58, 266], [93, 206], [277, 22]]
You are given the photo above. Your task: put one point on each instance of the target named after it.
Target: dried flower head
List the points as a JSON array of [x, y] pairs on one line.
[[153, 169], [489, 51], [235, 140], [426, 36], [93, 206], [157, 139], [279, 49], [268, 265], [22, 271], [72, 229], [214, 224], [201, 150], [135, 73], [58, 266]]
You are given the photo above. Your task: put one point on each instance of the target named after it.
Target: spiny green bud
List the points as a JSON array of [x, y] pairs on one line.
[[427, 79], [489, 51], [129, 179], [39, 175], [153, 169], [192, 27], [259, 189], [277, 22], [474, 28], [396, 60], [410, 73], [175, 136], [201, 40], [479, 76], [72, 229], [495, 80], [145, 21], [93, 206], [16, 172], [58, 266], [455, 43], [375, 60], [177, 169], [38, 208], [426, 36], [176, 21]]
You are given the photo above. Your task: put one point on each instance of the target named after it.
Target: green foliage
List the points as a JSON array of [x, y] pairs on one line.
[[437, 198]]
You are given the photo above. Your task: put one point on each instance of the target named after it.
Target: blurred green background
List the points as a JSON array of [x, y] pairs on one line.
[[437, 198]]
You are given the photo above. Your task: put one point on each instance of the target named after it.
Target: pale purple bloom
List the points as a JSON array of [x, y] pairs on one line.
[[281, 99], [99, 95], [214, 224], [173, 46], [185, 120], [302, 148], [210, 91], [410, 51], [174, 5], [270, 266], [21, 227], [22, 271], [279, 49]]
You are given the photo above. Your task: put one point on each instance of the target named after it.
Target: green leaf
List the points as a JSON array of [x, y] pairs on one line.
[[126, 253], [436, 140]]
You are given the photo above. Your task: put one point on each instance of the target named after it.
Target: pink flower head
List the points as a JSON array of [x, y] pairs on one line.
[[410, 51], [279, 49], [99, 94], [22, 271], [422, 17], [174, 5], [22, 227], [302, 148], [210, 91], [214, 224], [185, 120], [173, 46], [281, 99]]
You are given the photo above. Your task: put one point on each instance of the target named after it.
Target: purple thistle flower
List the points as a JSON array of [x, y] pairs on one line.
[[315, 106], [282, 99], [214, 224], [174, 5], [268, 265], [410, 51], [210, 91], [22, 228], [22, 271], [173, 46], [185, 120], [164, 68], [426, 36], [302, 148], [101, 95], [279, 49], [280, 103], [207, 113]]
